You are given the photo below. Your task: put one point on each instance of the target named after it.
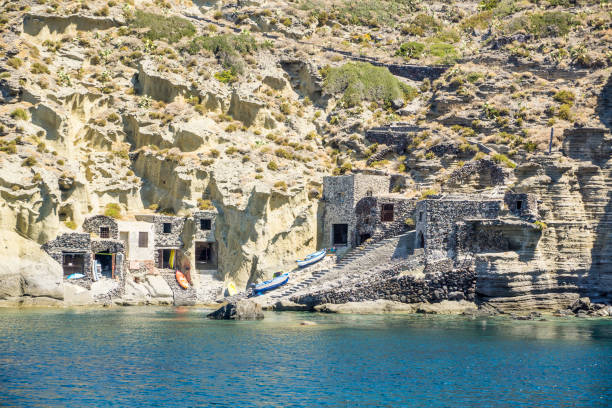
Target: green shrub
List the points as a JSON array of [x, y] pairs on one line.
[[411, 49], [546, 24], [446, 53], [272, 166], [281, 185], [29, 162], [422, 24], [227, 76], [112, 210], [488, 4], [283, 153], [565, 112], [231, 150], [20, 114], [501, 158], [160, 27], [449, 35], [228, 48], [359, 81], [71, 224], [39, 68], [15, 62], [540, 225], [428, 193], [474, 77], [565, 96], [205, 205]]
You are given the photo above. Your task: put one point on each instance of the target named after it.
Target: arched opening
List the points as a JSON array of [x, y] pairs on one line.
[[421, 240]]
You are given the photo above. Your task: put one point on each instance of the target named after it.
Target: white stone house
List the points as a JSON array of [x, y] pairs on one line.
[[139, 239]]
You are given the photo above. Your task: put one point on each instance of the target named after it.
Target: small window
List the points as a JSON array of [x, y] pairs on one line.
[[205, 225], [143, 239], [167, 228], [386, 214], [420, 215], [519, 204], [104, 232]]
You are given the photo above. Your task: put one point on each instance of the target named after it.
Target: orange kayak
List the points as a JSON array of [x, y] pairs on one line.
[[182, 280]]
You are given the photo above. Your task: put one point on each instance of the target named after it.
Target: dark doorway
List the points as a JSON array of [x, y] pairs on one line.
[[205, 256], [166, 260], [106, 263], [421, 241], [73, 263], [340, 234], [386, 213], [364, 237], [519, 205]]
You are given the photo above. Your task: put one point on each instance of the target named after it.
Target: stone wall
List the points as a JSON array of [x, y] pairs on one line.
[[436, 219], [369, 221], [173, 238], [92, 225], [498, 235], [484, 173], [71, 242], [441, 282], [204, 235], [397, 135], [528, 205]]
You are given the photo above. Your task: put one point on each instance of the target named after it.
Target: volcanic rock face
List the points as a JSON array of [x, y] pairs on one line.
[[574, 253], [104, 104]]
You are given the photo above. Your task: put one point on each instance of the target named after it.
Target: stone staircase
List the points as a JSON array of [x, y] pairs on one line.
[[361, 257], [182, 297]]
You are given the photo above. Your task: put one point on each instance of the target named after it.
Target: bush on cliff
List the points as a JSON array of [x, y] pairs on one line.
[[228, 48], [359, 81], [160, 27], [112, 210]]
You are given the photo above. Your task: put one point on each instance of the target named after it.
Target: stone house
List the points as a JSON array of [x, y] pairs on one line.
[[72, 251], [139, 240], [436, 222], [383, 216], [204, 242], [522, 205], [340, 196], [97, 247], [167, 239], [148, 240], [359, 207]]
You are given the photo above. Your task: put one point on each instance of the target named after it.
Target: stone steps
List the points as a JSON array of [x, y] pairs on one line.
[[182, 297], [351, 258]]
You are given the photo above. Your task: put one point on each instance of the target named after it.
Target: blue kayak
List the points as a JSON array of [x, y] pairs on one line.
[[312, 258], [76, 276], [271, 284]]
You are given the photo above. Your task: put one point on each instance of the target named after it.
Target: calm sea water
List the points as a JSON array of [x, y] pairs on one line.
[[149, 357]]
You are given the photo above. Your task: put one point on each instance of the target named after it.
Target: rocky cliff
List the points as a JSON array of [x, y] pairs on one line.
[[161, 106]]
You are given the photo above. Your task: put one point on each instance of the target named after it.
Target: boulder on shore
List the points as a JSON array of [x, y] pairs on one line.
[[241, 310]]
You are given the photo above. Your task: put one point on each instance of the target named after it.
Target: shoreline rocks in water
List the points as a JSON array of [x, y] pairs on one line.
[[381, 306], [240, 310]]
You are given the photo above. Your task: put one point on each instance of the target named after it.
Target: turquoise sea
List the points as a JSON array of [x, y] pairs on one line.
[[156, 357]]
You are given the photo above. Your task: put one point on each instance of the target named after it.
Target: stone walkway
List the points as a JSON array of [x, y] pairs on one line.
[[182, 297]]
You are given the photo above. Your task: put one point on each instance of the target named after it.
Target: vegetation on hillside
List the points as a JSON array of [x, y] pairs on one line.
[[360, 81]]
